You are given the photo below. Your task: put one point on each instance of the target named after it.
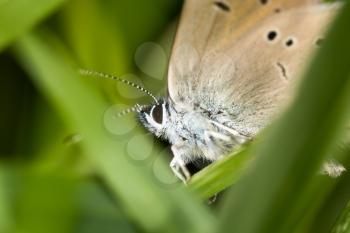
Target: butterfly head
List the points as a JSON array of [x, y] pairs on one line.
[[154, 117]]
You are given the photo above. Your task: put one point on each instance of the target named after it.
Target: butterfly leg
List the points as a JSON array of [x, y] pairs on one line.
[[177, 170], [178, 166]]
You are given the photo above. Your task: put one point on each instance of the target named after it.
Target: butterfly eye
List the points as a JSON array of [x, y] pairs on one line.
[[263, 2], [157, 113]]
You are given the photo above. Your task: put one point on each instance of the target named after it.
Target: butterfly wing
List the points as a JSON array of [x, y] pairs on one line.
[[240, 57], [208, 23]]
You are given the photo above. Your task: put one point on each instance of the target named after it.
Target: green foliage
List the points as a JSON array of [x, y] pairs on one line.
[[18, 16], [63, 170]]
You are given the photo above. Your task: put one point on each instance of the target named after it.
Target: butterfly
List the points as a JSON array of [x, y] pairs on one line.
[[234, 66]]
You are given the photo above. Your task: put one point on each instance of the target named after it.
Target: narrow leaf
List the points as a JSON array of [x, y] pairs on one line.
[[277, 191]]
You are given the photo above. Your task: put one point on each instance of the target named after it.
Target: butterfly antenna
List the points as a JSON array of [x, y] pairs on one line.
[[135, 108], [108, 76]]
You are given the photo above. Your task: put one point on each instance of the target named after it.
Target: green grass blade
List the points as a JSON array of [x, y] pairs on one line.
[[93, 25], [98, 212], [334, 205], [36, 202], [18, 16], [220, 175], [44, 202], [6, 222], [80, 105], [276, 192], [343, 224]]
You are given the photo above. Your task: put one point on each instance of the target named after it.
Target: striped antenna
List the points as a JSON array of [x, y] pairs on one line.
[[108, 76], [135, 108]]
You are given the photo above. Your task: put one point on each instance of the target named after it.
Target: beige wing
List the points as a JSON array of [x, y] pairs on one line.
[[208, 23], [241, 55]]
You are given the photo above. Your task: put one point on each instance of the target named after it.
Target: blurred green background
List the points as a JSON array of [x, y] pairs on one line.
[[67, 164]]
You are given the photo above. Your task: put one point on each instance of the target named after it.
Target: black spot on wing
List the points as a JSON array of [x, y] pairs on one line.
[[272, 35], [263, 2], [290, 42], [222, 6]]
